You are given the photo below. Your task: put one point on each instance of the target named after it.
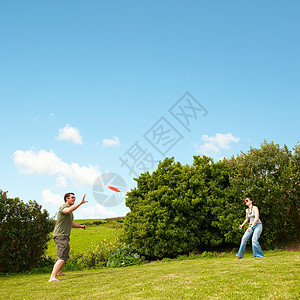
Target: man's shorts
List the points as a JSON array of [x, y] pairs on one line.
[[62, 247]]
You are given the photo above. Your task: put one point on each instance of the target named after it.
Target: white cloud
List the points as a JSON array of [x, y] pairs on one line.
[[97, 212], [115, 142], [61, 181], [50, 198], [48, 163], [70, 134], [214, 144]]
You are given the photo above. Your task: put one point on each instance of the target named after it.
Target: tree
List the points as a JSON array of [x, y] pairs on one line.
[[160, 222], [173, 210], [271, 176], [178, 209], [24, 233]]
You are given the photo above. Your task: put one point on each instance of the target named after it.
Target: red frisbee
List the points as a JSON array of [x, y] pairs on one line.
[[113, 188]]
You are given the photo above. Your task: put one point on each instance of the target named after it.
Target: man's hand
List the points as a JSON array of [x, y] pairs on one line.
[[83, 227], [83, 200], [70, 209]]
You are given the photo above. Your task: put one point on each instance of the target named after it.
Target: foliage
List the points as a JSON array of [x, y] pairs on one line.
[[94, 258], [271, 176], [24, 233], [45, 265], [174, 209], [208, 254], [123, 257], [178, 209]]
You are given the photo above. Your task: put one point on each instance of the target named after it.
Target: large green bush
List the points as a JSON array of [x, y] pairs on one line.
[[178, 209], [24, 234], [173, 210], [270, 175]]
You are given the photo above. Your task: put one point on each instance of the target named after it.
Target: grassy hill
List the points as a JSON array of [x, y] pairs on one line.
[[84, 240], [274, 277]]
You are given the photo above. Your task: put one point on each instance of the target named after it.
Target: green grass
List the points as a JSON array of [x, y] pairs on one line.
[[82, 241], [274, 277]]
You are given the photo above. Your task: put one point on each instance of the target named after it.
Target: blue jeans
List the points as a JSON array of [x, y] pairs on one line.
[[255, 233]]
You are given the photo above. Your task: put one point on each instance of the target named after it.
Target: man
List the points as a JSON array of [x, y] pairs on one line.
[[61, 234]]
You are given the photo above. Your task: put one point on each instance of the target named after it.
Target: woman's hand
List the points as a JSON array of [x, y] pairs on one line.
[[240, 227], [249, 229]]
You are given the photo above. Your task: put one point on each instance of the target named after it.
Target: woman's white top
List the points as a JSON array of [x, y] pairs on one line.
[[251, 215]]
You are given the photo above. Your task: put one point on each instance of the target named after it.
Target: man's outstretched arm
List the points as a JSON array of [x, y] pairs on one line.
[[68, 210]]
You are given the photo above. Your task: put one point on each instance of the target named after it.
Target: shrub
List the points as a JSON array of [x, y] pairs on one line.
[[95, 258], [208, 254], [166, 259], [271, 175], [123, 257], [24, 234], [182, 257], [178, 209], [174, 209], [45, 265]]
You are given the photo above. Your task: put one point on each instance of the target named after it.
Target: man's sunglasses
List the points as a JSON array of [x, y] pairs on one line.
[[72, 197]]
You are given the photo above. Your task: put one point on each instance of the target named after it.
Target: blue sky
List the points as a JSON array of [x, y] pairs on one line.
[[82, 81]]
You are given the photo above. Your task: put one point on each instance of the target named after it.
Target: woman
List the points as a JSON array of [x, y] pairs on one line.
[[254, 230]]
